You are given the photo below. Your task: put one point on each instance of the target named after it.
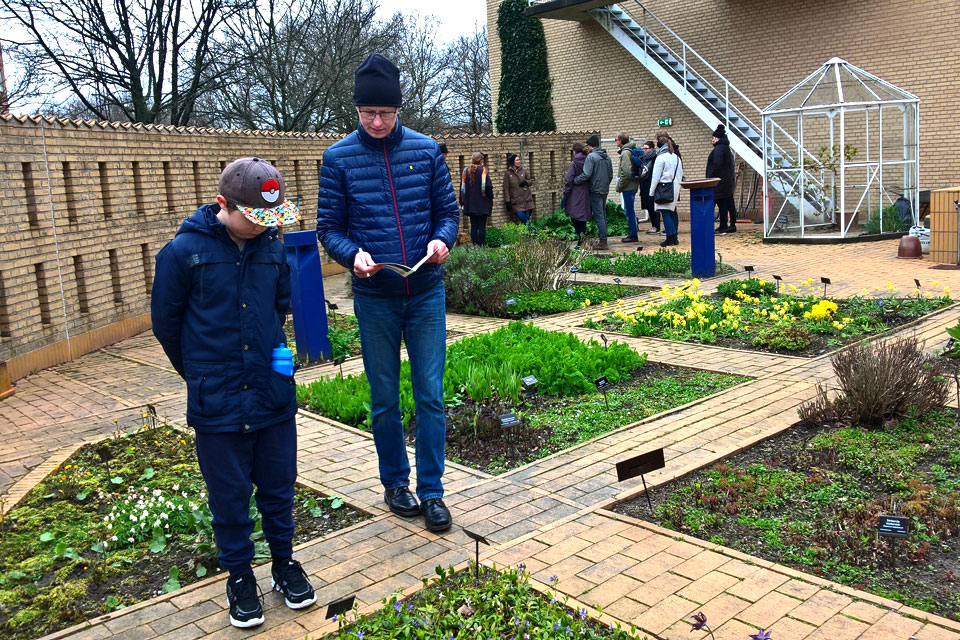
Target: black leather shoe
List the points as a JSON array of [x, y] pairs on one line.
[[401, 502], [436, 515]]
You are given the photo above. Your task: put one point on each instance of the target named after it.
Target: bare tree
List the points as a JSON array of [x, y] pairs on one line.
[[149, 59], [296, 63], [21, 80], [470, 83], [424, 75]]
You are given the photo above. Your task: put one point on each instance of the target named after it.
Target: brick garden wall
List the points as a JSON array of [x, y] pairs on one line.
[[764, 48], [88, 205]]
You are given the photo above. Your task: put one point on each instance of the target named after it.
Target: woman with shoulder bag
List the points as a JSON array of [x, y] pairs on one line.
[[516, 189], [476, 198], [665, 187], [576, 197]]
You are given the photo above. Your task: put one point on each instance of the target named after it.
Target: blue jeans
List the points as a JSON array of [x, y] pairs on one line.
[[524, 216], [670, 221], [628, 199], [421, 321], [231, 463]]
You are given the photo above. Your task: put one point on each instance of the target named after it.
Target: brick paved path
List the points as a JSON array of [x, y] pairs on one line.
[[549, 514]]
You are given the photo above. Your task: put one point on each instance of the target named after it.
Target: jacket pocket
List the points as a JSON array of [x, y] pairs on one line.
[[278, 392], [206, 389]]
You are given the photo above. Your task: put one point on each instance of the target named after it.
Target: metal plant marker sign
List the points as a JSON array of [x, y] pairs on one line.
[[602, 386], [477, 538], [342, 605], [638, 466], [508, 420], [893, 526]]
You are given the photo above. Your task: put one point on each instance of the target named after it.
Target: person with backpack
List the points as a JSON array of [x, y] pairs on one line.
[[627, 184], [720, 164], [644, 168], [665, 187]]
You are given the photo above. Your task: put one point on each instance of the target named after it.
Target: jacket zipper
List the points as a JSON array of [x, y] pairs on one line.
[[396, 210]]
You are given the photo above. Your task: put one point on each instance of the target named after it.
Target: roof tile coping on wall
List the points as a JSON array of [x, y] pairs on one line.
[[37, 119]]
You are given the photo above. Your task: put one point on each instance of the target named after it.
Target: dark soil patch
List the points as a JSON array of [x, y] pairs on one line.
[[550, 424], [810, 498]]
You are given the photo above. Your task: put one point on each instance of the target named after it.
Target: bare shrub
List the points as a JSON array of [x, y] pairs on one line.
[[888, 378], [818, 410], [539, 261]]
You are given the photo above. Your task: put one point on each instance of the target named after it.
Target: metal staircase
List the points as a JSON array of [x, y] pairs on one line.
[[712, 98]]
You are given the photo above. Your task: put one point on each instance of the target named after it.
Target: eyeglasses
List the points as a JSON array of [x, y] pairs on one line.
[[385, 116]]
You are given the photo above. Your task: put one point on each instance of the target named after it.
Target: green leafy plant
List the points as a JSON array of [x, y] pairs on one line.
[[489, 605], [563, 364], [523, 103], [748, 286], [783, 337], [890, 219]]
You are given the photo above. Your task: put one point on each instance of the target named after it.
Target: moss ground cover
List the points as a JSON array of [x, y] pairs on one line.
[[498, 605], [483, 380], [667, 263], [120, 522], [748, 314], [810, 499]]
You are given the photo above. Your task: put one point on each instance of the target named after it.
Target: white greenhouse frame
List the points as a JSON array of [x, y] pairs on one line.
[[794, 165]]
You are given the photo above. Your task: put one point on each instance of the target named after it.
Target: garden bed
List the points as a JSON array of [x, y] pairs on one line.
[[483, 380], [95, 536], [550, 424], [749, 314], [497, 605], [665, 263], [810, 499]]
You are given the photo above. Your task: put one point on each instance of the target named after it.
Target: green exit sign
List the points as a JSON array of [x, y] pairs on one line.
[[664, 122]]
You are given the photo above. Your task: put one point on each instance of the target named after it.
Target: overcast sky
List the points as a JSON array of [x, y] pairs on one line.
[[456, 17]]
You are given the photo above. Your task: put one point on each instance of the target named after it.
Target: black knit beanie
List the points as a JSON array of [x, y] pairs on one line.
[[376, 83], [510, 158], [594, 141], [720, 131]]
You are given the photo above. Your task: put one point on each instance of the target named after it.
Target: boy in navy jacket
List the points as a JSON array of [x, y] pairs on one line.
[[220, 298]]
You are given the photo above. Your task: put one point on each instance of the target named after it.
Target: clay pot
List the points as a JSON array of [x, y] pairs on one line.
[[909, 247]]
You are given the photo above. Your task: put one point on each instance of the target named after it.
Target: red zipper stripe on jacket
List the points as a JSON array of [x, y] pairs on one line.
[[396, 210]]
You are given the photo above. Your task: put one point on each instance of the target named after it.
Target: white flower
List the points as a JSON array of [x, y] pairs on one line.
[[164, 516], [130, 539], [109, 526], [176, 487], [114, 538], [156, 522]]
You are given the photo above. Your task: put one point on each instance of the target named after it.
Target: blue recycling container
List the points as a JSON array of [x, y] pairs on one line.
[[702, 244], [306, 281]]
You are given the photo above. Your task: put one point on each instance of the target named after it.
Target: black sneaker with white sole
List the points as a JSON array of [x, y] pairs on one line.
[[244, 597], [291, 580]]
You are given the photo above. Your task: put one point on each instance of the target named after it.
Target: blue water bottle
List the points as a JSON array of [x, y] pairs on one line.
[[282, 360]]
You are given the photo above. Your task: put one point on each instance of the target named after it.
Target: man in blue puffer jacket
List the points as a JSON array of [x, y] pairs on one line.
[[220, 298], [386, 196]]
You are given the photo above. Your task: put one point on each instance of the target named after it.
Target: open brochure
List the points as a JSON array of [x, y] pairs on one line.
[[403, 269]]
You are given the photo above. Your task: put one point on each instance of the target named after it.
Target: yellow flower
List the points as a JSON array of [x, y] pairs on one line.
[[713, 327], [946, 291], [864, 292], [889, 285], [763, 283], [603, 303], [935, 283], [793, 288]]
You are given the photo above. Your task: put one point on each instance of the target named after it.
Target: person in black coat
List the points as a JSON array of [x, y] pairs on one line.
[[476, 198], [646, 173], [720, 165]]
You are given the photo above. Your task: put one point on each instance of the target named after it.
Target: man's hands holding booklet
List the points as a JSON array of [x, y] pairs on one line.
[[364, 266]]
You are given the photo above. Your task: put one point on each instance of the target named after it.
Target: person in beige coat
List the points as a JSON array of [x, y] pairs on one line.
[[516, 189]]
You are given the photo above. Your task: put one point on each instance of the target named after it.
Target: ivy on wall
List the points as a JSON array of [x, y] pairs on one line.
[[524, 100]]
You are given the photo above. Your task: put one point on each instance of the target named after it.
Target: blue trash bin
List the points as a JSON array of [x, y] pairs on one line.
[[702, 243], [306, 281]]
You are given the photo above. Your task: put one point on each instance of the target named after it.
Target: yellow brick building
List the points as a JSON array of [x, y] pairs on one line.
[[763, 48]]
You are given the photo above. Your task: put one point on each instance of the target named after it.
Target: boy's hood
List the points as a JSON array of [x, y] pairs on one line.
[[204, 220]]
